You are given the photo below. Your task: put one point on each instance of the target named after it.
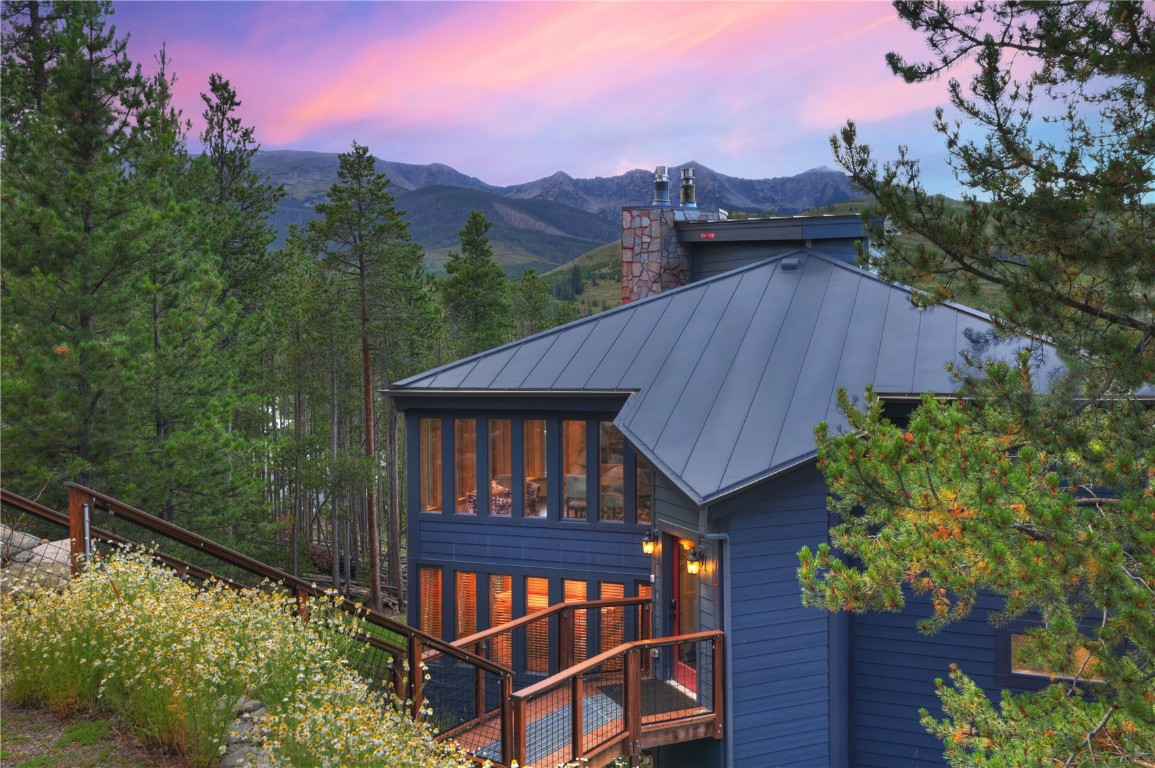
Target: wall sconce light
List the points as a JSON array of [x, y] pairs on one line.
[[694, 561], [649, 543]]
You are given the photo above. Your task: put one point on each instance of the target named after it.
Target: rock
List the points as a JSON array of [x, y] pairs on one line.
[[51, 552], [245, 746], [14, 543], [41, 574]]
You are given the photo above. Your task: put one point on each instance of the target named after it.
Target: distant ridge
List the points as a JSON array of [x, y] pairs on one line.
[[539, 223]]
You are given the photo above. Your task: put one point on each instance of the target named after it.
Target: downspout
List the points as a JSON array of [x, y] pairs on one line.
[[727, 645]]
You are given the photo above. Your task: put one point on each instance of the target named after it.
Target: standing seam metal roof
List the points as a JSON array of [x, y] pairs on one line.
[[727, 377]]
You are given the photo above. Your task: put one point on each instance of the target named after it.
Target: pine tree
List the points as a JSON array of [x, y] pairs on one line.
[[530, 303], [1039, 492], [476, 292]]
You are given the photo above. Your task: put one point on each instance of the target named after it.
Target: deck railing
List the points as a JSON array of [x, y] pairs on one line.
[[641, 694], [395, 651]]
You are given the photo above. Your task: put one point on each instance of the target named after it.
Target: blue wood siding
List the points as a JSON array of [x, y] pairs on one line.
[[894, 672], [780, 649]]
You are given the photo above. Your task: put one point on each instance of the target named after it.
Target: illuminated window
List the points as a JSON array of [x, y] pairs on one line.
[[573, 435], [611, 449], [500, 466], [429, 434], [537, 633], [612, 634], [431, 601], [575, 591], [466, 608], [645, 491], [1082, 662], [500, 612], [465, 465], [533, 451]]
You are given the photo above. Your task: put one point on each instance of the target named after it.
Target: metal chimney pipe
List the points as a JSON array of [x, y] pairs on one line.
[[688, 196], [661, 187]]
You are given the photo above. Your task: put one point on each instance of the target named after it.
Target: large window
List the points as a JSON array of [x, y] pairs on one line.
[[533, 452], [500, 612], [429, 436], [611, 452], [431, 601], [500, 466], [466, 610], [575, 592], [573, 435], [645, 491], [465, 465], [537, 633]]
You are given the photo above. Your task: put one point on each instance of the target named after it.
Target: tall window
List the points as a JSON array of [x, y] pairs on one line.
[[645, 490], [575, 592], [431, 601], [465, 465], [500, 612], [466, 610], [613, 633], [429, 436], [537, 633], [500, 466], [533, 450], [611, 449], [573, 435]]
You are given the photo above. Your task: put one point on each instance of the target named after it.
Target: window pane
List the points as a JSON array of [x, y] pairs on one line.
[[644, 590], [500, 612], [611, 446], [1081, 662], [537, 633], [465, 465], [500, 466], [533, 448], [612, 632], [431, 601], [575, 591], [429, 432], [573, 436], [645, 501], [466, 604]]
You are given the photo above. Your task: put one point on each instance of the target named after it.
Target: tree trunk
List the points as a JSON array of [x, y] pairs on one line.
[[372, 531]]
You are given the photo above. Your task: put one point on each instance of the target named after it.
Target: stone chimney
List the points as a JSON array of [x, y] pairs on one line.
[[652, 258]]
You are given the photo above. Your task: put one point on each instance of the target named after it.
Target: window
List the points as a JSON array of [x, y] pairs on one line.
[[431, 601], [533, 451], [466, 604], [612, 634], [645, 491], [465, 465], [573, 435], [500, 466], [611, 449], [429, 437], [1017, 670], [537, 633], [500, 612], [575, 592]]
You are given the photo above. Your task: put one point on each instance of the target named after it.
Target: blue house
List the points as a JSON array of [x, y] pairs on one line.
[[664, 451]]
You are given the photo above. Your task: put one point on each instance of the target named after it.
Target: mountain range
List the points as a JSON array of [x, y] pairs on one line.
[[540, 223]]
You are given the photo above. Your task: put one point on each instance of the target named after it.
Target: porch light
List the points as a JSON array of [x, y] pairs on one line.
[[694, 561], [649, 543]]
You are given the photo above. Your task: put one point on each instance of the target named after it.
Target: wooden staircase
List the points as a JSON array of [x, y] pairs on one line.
[[522, 691]]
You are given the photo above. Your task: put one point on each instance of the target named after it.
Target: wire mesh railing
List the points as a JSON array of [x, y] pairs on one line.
[[619, 698]]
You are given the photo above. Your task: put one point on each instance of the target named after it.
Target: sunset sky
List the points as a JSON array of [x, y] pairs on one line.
[[512, 92]]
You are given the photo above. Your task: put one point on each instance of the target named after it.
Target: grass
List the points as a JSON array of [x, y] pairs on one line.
[[170, 660]]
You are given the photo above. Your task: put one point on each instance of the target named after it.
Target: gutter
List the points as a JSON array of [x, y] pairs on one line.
[[727, 644]]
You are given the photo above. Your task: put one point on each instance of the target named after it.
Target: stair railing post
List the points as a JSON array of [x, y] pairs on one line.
[[518, 748], [479, 686], [79, 546], [565, 638], [577, 719], [632, 697], [416, 675], [719, 686]]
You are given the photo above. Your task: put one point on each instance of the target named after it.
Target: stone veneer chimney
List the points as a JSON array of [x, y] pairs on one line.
[[652, 258]]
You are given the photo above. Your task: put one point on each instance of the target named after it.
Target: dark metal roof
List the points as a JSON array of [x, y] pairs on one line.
[[729, 376]]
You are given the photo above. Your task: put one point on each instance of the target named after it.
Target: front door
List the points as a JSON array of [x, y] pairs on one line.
[[685, 619]]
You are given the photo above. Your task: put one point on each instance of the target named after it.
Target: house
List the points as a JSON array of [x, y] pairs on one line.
[[537, 471]]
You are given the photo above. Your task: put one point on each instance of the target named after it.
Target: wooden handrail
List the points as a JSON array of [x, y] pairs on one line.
[[601, 658], [486, 634]]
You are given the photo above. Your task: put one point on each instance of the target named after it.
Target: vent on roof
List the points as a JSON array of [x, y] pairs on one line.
[[689, 198], [791, 265], [661, 187]]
